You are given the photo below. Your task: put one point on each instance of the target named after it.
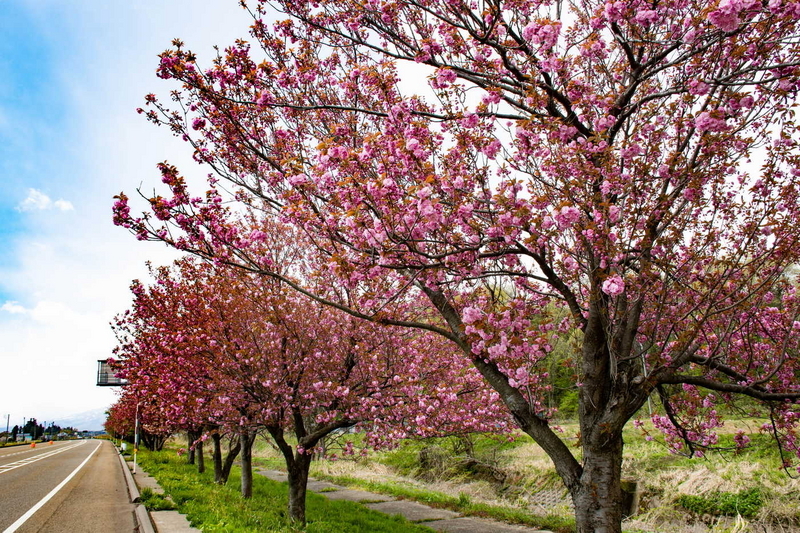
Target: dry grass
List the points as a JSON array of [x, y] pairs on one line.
[[477, 491], [529, 482]]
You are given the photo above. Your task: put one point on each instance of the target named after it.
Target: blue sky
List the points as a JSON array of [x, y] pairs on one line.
[[29, 116], [71, 76]]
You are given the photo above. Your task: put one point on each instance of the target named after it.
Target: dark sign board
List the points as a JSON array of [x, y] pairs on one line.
[[106, 376]]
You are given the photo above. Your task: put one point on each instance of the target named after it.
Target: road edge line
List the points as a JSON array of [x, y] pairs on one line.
[[24, 518]]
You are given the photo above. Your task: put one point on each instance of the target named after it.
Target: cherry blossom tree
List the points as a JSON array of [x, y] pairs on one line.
[[164, 353], [118, 422], [635, 163], [250, 353], [154, 428]]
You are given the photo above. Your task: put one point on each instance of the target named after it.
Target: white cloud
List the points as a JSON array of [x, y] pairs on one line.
[[44, 312], [63, 205], [48, 312], [14, 308], [37, 200], [50, 352]]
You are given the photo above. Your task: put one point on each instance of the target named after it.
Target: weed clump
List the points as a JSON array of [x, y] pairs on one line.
[[746, 503], [154, 501]]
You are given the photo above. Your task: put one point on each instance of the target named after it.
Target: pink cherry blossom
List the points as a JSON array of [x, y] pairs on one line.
[[614, 286]]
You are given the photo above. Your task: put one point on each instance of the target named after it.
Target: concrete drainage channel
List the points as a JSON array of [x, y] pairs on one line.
[[154, 521]]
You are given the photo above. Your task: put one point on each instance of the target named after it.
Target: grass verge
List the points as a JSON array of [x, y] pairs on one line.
[[216, 508]]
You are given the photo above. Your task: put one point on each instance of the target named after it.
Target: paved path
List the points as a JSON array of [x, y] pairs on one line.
[[438, 519], [68, 486]]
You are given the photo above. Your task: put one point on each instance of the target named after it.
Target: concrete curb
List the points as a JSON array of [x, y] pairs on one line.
[[140, 514], [143, 519], [133, 490]]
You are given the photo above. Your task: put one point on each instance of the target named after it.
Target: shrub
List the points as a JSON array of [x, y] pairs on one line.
[[746, 503]]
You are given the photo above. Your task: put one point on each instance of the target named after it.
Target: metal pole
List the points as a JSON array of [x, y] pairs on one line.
[[136, 437]]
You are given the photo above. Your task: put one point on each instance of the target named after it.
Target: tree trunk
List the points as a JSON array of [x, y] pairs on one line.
[[247, 439], [598, 496], [154, 443], [606, 403], [233, 452], [216, 457], [201, 461], [191, 436], [298, 481]]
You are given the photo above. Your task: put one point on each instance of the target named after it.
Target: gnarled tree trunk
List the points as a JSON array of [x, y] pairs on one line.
[[598, 496]]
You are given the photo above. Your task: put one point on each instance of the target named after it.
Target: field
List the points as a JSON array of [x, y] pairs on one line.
[[506, 478], [512, 479]]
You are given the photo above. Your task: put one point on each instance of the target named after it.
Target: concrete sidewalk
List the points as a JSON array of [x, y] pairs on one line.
[[438, 519]]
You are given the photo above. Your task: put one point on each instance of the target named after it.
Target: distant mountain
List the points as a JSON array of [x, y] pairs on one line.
[[87, 421]]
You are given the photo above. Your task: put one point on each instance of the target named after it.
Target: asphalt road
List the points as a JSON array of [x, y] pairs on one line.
[[95, 499]]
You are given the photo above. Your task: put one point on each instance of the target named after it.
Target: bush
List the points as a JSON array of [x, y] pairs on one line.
[[746, 503]]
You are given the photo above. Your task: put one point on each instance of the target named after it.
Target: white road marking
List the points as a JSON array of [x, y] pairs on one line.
[[24, 518], [4, 455], [29, 460]]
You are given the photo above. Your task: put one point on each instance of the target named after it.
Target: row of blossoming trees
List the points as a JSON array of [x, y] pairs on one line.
[[212, 351], [632, 163]]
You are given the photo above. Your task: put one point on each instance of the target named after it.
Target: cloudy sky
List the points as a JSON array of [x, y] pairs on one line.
[[71, 76]]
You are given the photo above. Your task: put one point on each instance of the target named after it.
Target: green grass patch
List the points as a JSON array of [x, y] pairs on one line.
[[269, 463], [746, 503], [461, 503], [154, 501], [215, 508], [406, 458]]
